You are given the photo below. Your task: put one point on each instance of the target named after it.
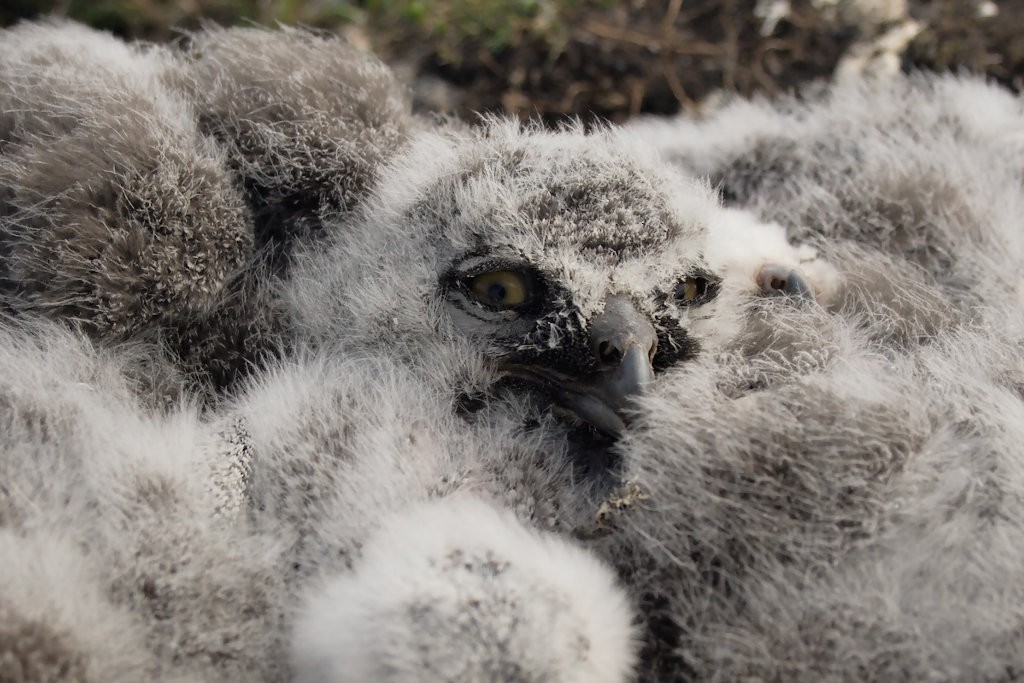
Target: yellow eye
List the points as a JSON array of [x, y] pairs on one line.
[[688, 289], [501, 288], [691, 289]]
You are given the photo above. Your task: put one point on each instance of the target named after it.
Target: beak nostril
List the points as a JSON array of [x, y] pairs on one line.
[[774, 279], [608, 353], [623, 336]]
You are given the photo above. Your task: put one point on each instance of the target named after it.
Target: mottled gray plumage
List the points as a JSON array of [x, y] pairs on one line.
[[583, 219], [306, 120], [837, 495], [822, 485], [111, 548], [116, 213], [153, 194], [158, 545], [525, 607]]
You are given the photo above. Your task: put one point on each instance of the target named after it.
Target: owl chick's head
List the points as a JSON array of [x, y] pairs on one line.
[[567, 263]]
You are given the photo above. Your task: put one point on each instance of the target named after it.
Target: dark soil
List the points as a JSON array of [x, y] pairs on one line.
[[662, 56], [957, 39], [597, 59], [645, 57]]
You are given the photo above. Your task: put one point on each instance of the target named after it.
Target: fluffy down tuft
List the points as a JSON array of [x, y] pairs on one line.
[[116, 213], [307, 121], [836, 494], [123, 568], [458, 591]]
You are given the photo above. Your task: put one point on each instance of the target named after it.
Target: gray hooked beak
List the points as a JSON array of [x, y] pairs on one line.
[[624, 341]]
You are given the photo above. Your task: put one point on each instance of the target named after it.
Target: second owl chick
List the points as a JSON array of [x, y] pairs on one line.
[[307, 120], [116, 213]]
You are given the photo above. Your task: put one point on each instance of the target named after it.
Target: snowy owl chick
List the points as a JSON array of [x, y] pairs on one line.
[[573, 266]]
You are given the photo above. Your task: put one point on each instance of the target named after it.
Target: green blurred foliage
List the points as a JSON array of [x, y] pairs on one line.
[[448, 24], [493, 25]]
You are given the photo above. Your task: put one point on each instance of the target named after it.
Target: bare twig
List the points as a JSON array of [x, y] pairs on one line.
[[668, 22], [651, 42], [676, 86]]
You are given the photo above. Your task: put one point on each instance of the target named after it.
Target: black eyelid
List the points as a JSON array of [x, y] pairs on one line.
[[460, 275], [461, 278], [493, 265]]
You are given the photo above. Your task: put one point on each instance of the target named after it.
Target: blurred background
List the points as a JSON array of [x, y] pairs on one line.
[[603, 59]]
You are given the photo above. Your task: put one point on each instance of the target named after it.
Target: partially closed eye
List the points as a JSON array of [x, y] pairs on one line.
[[691, 290], [501, 289]]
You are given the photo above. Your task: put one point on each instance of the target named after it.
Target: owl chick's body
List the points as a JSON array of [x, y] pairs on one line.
[[504, 324], [154, 194], [158, 545], [843, 498], [117, 214]]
